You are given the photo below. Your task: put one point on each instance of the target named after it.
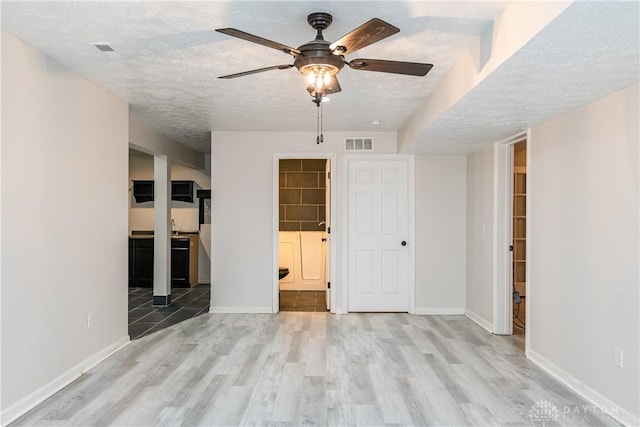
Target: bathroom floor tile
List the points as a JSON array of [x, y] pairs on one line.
[[303, 301]]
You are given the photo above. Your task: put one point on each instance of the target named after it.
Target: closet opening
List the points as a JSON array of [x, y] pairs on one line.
[[511, 290], [519, 238]]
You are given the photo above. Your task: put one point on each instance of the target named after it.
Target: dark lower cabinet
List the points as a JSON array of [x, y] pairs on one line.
[[131, 253], [180, 263], [141, 262]]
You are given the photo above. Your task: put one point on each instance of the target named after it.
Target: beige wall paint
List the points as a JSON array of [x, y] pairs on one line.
[[584, 258], [440, 234], [479, 246], [64, 225]]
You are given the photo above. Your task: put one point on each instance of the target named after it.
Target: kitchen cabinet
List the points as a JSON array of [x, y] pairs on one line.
[[194, 244], [143, 191], [180, 262], [141, 263], [181, 191], [184, 261]]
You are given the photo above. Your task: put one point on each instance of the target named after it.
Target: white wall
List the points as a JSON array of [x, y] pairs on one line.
[[143, 137], [242, 209], [583, 258], [479, 291], [440, 234], [64, 224]]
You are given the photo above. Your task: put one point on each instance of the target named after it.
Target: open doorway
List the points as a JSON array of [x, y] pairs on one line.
[[303, 234], [190, 243], [510, 238]]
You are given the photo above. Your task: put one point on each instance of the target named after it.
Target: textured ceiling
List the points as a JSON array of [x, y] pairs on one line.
[[167, 57], [590, 50]]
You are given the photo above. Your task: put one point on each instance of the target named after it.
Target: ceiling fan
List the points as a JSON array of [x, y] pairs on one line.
[[321, 61]]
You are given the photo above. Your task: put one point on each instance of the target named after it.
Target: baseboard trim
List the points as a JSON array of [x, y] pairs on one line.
[[479, 320], [240, 310], [27, 403], [590, 395], [338, 310], [435, 311]]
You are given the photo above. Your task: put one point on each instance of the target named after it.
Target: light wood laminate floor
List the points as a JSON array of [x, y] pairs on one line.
[[294, 369]]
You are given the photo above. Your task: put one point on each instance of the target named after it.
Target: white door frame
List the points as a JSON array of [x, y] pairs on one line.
[[411, 256], [502, 235], [276, 225]]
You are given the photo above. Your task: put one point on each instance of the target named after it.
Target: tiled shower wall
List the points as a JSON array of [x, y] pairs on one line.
[[302, 194]]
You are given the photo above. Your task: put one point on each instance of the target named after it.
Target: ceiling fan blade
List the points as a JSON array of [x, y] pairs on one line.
[[259, 70], [255, 39], [366, 34], [396, 67], [333, 86]]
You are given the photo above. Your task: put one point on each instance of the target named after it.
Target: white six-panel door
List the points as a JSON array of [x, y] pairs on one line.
[[377, 228]]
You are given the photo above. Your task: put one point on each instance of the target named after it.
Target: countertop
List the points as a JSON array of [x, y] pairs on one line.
[[149, 234]]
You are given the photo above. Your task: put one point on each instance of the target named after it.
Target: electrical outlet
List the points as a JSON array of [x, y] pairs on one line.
[[245, 283], [618, 357], [89, 320]]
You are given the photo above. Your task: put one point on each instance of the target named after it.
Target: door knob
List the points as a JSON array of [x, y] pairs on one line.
[[404, 243]]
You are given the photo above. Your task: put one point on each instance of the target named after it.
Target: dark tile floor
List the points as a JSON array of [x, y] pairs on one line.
[[185, 304], [303, 301]]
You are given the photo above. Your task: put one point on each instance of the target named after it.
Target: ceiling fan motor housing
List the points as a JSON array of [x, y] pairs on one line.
[[316, 55]]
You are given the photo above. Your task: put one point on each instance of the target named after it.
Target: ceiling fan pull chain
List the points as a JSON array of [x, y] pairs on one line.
[[318, 125], [321, 123]]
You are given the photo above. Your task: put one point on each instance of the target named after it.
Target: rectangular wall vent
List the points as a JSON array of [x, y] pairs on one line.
[[358, 144]]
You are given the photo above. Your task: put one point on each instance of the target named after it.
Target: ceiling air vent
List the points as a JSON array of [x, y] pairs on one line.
[[103, 47], [358, 144]]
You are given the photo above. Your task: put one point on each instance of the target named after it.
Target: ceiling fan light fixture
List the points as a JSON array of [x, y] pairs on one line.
[[318, 78], [319, 69]]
